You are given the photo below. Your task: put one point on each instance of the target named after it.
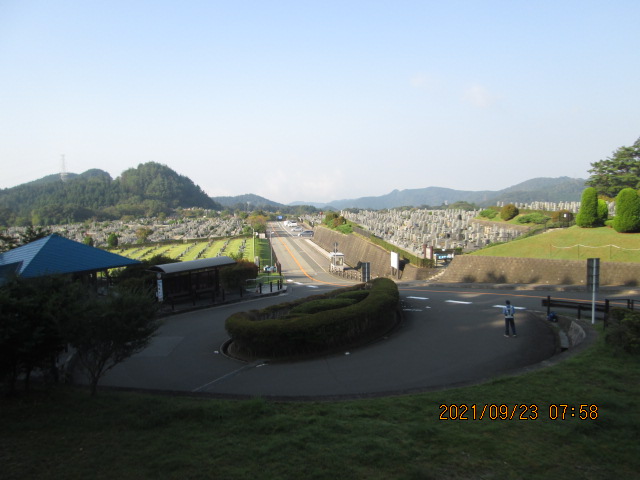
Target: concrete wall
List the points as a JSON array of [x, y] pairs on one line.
[[478, 269], [356, 249]]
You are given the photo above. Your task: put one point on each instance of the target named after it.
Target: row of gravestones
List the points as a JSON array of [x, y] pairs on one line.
[[161, 230], [414, 230]]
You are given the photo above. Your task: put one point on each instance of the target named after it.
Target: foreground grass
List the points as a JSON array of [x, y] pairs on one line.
[[65, 434], [572, 243]]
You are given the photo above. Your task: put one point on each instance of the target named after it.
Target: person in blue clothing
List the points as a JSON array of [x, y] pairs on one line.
[[509, 312]]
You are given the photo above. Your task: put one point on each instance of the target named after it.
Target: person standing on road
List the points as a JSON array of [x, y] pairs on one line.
[[508, 311]]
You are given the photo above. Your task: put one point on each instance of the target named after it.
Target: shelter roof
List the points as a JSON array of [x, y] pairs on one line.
[[191, 265], [58, 255]]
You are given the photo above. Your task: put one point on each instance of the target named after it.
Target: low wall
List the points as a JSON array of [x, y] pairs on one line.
[[479, 269]]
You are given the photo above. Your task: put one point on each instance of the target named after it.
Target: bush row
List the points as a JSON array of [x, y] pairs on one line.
[[278, 332]]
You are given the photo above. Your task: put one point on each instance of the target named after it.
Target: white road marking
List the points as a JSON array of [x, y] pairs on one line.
[[419, 298], [458, 301]]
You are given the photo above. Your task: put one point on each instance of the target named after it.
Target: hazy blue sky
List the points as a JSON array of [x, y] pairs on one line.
[[318, 100]]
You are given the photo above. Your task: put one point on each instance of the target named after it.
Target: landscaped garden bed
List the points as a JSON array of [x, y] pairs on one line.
[[316, 325]]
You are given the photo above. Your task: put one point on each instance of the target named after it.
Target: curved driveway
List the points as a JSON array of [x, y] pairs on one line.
[[448, 337]]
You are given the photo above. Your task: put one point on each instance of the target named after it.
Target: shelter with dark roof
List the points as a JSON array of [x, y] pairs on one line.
[[190, 280], [56, 255]]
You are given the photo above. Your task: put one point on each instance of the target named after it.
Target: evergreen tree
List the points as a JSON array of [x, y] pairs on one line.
[[112, 240], [588, 215], [603, 211], [627, 217], [621, 170]]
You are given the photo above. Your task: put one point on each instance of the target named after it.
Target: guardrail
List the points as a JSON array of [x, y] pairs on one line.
[[604, 307]]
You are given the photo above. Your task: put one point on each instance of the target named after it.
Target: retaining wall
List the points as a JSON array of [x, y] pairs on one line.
[[357, 249], [479, 269]]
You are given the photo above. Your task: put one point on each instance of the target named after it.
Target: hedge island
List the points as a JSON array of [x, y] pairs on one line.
[[316, 325]]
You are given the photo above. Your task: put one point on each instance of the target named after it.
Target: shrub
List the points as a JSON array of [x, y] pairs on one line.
[[236, 276], [489, 213], [357, 295], [345, 228], [509, 211], [562, 216], [276, 332], [627, 217], [588, 215], [536, 218], [624, 331], [316, 306], [603, 211]]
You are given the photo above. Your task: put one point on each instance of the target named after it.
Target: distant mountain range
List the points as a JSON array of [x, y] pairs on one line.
[[151, 189], [543, 189]]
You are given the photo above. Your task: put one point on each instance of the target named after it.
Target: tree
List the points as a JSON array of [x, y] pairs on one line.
[[236, 276], [627, 219], [112, 240], [588, 214], [31, 314], [88, 240], [258, 222], [32, 234], [143, 233], [109, 330], [621, 170]]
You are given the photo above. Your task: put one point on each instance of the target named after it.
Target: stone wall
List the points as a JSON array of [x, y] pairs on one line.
[[356, 249], [479, 269]]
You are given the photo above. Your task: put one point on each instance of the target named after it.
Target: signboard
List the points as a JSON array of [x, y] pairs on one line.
[[160, 293], [593, 274], [593, 283], [366, 271], [395, 261]]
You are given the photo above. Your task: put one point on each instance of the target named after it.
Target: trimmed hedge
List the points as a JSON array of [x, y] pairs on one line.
[[627, 218], [588, 214], [276, 332], [316, 306]]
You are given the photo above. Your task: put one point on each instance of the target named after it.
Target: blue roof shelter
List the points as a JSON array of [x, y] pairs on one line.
[[56, 255]]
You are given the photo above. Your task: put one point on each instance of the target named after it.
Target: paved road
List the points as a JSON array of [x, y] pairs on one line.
[[449, 336]]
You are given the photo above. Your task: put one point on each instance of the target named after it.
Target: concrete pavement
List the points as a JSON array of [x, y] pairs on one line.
[[447, 338]]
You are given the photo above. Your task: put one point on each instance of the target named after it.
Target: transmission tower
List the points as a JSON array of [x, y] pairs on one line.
[[63, 170]]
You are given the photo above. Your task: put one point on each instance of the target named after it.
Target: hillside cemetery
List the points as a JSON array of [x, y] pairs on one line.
[[189, 238], [417, 229], [153, 230]]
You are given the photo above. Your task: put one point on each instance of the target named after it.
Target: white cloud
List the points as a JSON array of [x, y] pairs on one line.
[[479, 96], [423, 81]]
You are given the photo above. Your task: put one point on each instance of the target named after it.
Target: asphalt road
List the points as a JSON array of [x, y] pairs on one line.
[[449, 336]]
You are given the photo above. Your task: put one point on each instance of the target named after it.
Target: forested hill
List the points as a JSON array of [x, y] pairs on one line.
[[147, 190]]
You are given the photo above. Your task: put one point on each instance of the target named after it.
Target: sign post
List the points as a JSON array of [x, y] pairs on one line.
[[366, 272], [593, 282]]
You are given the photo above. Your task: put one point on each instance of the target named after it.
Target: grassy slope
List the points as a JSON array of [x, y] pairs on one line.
[[572, 244], [66, 434]]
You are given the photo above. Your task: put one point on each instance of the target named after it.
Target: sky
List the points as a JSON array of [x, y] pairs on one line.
[[318, 100]]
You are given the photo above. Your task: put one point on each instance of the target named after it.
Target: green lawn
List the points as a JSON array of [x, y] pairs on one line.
[[65, 434], [190, 250], [572, 243]]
